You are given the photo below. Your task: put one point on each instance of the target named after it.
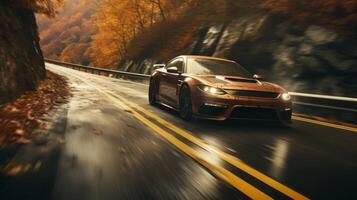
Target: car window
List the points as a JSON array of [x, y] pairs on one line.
[[201, 66], [179, 65], [176, 63]]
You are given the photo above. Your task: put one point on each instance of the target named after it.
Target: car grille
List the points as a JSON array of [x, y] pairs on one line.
[[211, 110], [254, 113], [248, 93]]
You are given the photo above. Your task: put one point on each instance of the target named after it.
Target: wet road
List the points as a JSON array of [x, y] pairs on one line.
[[108, 143]]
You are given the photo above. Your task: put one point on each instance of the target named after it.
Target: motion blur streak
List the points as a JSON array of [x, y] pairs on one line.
[[346, 128], [224, 174], [226, 157]]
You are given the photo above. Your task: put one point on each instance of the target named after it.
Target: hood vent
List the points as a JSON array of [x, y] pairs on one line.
[[216, 80], [242, 80]]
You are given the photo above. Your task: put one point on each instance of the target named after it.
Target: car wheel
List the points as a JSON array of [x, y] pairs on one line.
[[152, 91], [285, 118], [185, 109]]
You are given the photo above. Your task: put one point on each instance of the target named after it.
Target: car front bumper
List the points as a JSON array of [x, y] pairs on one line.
[[222, 107]]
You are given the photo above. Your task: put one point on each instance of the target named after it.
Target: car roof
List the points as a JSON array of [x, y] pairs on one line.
[[206, 57]]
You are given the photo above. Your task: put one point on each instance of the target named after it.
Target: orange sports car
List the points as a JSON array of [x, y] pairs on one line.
[[214, 88]]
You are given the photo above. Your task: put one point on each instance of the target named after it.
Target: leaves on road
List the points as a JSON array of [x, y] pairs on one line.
[[20, 118]]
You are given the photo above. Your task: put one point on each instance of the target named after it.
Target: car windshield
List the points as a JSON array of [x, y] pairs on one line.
[[201, 66]]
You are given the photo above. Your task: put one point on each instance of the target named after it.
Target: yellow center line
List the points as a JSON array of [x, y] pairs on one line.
[[224, 174], [221, 172], [303, 119], [26, 167], [15, 170], [226, 157], [37, 166]]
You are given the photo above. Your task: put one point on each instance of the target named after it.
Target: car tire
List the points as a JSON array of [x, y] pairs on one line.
[[285, 118], [185, 107], [152, 91]]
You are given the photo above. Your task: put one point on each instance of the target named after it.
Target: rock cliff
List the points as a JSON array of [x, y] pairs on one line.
[[21, 60], [302, 57]]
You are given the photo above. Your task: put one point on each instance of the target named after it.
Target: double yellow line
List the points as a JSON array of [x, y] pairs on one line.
[[321, 123], [238, 183], [224, 156], [13, 169], [224, 174]]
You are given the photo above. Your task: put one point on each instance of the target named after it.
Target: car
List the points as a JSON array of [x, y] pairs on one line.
[[217, 89]]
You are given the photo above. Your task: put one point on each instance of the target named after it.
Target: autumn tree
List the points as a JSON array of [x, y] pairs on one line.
[[119, 22], [68, 36]]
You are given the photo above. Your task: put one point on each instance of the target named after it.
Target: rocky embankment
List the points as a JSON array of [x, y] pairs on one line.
[[21, 61], [302, 57]]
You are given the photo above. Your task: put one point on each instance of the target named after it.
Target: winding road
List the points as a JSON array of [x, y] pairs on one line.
[[109, 143]]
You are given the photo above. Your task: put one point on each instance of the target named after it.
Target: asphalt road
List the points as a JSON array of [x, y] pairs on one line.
[[108, 143]]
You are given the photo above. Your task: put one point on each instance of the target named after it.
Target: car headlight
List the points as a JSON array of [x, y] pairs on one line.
[[286, 97], [212, 90]]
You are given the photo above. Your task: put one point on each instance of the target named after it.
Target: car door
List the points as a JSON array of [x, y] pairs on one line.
[[169, 83]]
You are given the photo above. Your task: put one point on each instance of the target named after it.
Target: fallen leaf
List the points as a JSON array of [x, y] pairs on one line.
[[20, 132], [98, 132]]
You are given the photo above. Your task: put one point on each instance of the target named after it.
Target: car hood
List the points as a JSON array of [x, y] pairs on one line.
[[238, 83]]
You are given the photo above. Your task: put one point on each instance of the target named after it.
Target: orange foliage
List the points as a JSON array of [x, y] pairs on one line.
[[20, 118], [68, 37], [75, 53], [162, 41], [125, 24]]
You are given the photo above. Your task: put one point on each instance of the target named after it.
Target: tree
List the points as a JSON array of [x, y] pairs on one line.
[[68, 35], [119, 22]]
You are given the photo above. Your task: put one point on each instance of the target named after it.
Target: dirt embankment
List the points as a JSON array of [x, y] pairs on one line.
[[20, 118]]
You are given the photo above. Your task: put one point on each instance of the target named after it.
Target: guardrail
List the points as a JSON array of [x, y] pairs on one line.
[[334, 107], [348, 104], [342, 109], [105, 72]]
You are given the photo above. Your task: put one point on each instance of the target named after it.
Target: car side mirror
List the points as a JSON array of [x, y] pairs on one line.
[[258, 77], [173, 70]]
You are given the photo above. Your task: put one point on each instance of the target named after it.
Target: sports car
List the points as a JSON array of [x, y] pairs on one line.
[[217, 89]]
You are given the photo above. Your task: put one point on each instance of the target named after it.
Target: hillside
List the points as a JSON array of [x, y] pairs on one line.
[[305, 45], [67, 37]]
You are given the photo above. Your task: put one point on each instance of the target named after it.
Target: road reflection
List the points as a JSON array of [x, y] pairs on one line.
[[278, 158]]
